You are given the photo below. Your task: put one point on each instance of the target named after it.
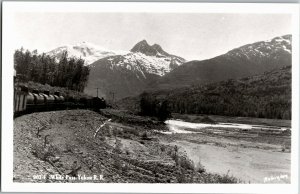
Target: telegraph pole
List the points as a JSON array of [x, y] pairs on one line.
[[112, 96], [97, 91]]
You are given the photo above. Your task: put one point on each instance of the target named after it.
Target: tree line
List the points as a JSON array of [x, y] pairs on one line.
[[150, 106], [68, 72], [263, 96]]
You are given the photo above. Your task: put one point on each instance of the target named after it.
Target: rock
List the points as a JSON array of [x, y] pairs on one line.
[[68, 171], [55, 159], [94, 169], [84, 155], [78, 151]]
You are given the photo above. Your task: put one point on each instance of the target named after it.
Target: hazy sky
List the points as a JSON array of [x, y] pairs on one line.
[[189, 35]]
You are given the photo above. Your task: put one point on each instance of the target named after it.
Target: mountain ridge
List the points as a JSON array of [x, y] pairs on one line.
[[243, 61], [85, 50], [127, 75], [149, 67]]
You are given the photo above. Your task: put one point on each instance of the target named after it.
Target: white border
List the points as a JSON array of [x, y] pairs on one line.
[[9, 8]]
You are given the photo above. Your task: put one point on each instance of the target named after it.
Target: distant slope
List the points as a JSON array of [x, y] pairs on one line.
[[245, 61], [120, 76], [267, 95], [84, 50]]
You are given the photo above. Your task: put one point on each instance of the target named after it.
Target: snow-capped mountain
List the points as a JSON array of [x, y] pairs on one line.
[[269, 48], [84, 50], [244, 61], [128, 74], [145, 59]]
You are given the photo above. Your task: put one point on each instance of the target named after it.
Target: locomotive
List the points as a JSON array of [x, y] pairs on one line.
[[36, 101]]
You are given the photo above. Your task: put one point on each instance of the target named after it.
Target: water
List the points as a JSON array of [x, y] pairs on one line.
[[179, 126]]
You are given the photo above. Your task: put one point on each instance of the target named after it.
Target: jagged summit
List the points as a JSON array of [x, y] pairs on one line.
[[145, 48], [160, 50], [129, 74]]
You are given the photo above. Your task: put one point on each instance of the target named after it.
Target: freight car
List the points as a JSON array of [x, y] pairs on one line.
[[35, 101]]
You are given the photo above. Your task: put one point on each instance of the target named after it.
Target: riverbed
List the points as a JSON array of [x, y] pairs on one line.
[[249, 160]]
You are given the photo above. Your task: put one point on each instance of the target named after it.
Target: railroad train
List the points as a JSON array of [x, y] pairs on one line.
[[36, 101]]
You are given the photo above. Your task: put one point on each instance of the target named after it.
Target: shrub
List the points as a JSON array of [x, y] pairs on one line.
[[145, 136], [117, 163], [127, 135], [114, 132], [101, 138], [131, 131], [43, 153], [208, 120], [68, 148], [109, 133], [118, 145], [199, 168], [181, 159], [181, 176], [186, 163], [227, 178]]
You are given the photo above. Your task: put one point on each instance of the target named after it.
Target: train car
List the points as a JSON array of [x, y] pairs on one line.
[[59, 101], [49, 100], [38, 103], [71, 102], [98, 103], [28, 102], [20, 99], [86, 102]]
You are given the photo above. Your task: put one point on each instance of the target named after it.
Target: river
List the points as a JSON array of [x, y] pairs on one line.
[[179, 126]]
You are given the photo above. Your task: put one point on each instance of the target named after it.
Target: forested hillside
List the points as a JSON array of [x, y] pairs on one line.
[[68, 72], [265, 96]]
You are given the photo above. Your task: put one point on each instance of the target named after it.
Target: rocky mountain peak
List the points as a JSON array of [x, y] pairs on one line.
[[145, 48], [140, 45], [157, 47]]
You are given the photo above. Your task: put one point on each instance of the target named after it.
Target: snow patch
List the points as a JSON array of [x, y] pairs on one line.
[[89, 52]]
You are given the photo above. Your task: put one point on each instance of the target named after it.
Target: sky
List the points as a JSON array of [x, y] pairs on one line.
[[193, 36]]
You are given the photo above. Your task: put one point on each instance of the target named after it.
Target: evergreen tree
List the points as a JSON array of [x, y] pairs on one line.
[[67, 72]]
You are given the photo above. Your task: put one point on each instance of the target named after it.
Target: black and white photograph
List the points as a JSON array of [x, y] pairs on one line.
[[160, 94]]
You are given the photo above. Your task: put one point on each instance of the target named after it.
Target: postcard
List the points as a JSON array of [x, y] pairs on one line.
[[150, 97]]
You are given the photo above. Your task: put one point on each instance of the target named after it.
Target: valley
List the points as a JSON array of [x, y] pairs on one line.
[[167, 120]]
